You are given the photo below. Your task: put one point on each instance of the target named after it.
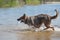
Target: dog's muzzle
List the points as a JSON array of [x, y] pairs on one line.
[[22, 20], [18, 19]]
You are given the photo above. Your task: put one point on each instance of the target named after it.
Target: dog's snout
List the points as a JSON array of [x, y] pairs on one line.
[[18, 19]]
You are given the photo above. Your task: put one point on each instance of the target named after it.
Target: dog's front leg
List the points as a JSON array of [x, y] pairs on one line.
[[32, 28], [37, 28]]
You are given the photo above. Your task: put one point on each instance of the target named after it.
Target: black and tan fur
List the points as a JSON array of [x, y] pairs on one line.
[[38, 20]]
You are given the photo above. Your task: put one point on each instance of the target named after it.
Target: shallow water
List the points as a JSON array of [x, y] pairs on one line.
[[38, 36], [9, 34], [8, 16], [15, 33], [10, 29]]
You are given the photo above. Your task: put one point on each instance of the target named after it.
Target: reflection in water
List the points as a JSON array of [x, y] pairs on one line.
[[34, 35]]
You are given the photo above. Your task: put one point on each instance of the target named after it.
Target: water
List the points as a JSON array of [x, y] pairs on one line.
[[9, 15], [10, 28], [29, 35]]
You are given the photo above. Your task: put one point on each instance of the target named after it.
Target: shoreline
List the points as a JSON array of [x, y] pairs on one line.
[[52, 2]]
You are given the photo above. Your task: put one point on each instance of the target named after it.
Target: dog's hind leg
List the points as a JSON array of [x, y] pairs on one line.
[[48, 26], [52, 27]]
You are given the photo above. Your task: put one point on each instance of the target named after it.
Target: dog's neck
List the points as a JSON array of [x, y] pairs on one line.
[[27, 17], [28, 20]]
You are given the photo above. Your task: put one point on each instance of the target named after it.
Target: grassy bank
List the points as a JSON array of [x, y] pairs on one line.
[[14, 3], [7, 3]]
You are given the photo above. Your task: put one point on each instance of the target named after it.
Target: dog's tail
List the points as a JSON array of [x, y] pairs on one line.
[[53, 17]]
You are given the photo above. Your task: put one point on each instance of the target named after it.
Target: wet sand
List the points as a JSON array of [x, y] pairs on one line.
[[10, 34]]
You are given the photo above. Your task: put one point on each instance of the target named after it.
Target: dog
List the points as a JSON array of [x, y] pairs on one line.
[[38, 20]]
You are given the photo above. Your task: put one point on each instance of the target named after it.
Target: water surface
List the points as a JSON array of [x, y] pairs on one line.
[[10, 29]]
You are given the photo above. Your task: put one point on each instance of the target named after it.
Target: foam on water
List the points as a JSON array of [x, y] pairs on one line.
[[23, 26], [41, 29], [57, 29]]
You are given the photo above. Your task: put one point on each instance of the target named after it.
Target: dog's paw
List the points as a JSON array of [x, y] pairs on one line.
[[55, 9], [49, 29]]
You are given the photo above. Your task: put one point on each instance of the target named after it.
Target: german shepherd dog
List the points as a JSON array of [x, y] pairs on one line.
[[37, 20]]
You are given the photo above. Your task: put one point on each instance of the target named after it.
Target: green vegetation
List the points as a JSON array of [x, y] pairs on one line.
[[32, 2], [7, 3], [14, 3]]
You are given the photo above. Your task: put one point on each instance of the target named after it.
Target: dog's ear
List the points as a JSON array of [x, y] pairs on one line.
[[24, 14], [55, 9]]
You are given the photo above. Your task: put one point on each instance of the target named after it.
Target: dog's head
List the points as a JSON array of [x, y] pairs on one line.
[[22, 18]]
